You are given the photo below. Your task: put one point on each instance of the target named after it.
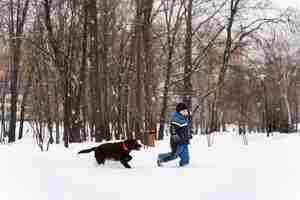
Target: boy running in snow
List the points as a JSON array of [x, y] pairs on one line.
[[180, 137]]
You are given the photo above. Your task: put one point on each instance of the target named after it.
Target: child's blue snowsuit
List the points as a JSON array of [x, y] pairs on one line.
[[180, 136]]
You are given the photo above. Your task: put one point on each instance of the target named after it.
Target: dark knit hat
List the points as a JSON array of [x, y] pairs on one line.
[[180, 107]]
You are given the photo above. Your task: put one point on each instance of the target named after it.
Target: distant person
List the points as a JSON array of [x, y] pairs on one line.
[[180, 137]]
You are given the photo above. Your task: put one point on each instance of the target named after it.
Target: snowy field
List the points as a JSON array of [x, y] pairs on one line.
[[266, 169]]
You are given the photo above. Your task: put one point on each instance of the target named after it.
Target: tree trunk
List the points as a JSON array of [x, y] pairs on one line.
[[24, 101], [288, 109], [170, 45], [57, 117], [96, 98], [105, 113], [296, 108], [13, 91], [188, 88], [150, 122], [67, 110], [138, 121], [163, 112], [15, 32], [3, 130], [76, 119]]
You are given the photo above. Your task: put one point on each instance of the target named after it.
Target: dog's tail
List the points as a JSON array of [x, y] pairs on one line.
[[87, 150]]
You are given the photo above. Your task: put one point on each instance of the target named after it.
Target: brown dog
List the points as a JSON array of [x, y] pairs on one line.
[[117, 151]]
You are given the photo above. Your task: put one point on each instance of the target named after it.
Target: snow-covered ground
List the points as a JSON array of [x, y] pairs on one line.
[[266, 169]]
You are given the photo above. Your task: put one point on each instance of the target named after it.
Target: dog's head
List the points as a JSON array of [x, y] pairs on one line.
[[133, 144]]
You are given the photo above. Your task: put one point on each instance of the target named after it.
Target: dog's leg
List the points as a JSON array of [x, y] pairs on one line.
[[100, 160], [125, 163], [127, 158]]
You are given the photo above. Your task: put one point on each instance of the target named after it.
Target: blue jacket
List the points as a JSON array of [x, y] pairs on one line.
[[179, 129]]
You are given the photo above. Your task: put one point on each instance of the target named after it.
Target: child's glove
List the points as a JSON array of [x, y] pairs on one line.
[[191, 133]]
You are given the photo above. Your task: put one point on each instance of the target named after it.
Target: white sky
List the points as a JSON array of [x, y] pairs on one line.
[[287, 3]]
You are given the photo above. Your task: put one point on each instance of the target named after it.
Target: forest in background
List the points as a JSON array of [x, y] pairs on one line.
[[115, 69]]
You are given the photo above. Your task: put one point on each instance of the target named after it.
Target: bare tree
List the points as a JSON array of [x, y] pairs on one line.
[[17, 18], [279, 54], [173, 19]]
